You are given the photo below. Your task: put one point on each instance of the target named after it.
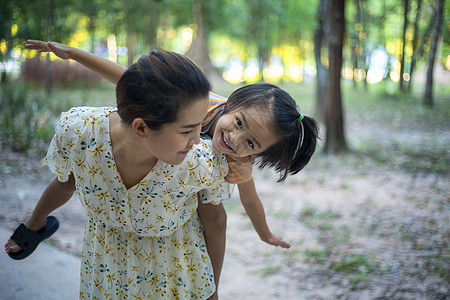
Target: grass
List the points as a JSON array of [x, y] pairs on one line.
[[356, 267], [28, 115]]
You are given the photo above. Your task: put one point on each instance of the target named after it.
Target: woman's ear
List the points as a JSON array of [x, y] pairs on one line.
[[139, 127]]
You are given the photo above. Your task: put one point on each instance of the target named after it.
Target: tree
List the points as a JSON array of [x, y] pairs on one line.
[[198, 51], [415, 42], [334, 120], [437, 27], [405, 26], [319, 40]]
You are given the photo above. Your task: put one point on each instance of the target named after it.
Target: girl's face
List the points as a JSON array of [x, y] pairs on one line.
[[244, 131], [174, 140]]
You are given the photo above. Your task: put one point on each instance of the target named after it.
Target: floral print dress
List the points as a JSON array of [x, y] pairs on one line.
[[144, 242]]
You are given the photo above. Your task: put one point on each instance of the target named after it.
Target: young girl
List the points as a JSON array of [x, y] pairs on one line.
[[258, 123], [138, 173]]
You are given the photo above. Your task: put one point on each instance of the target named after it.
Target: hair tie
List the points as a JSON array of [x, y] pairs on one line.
[[300, 138]]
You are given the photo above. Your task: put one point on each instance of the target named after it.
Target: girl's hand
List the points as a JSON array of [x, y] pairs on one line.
[[60, 50], [277, 241]]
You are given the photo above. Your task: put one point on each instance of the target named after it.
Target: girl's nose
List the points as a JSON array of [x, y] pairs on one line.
[[236, 138]]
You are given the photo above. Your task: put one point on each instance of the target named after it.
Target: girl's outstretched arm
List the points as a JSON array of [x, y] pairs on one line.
[[106, 68], [255, 210]]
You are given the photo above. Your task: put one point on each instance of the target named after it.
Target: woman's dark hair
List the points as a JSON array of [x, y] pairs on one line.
[[157, 86], [283, 156]]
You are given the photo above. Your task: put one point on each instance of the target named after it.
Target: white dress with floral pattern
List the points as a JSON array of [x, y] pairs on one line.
[[145, 242]]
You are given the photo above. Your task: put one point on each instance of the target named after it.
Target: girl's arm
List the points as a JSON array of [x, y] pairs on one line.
[[106, 68], [255, 210]]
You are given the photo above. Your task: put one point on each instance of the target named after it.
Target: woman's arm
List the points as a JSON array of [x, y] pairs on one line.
[[106, 68], [255, 210]]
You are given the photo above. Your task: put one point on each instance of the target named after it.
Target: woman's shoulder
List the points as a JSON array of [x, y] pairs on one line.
[[87, 112], [79, 119]]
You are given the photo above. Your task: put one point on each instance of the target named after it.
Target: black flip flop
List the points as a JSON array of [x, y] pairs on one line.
[[28, 239]]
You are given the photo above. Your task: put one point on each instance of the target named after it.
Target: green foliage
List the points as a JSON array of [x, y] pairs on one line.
[[23, 125], [28, 115]]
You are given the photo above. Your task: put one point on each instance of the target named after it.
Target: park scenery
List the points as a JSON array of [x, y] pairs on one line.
[[367, 218]]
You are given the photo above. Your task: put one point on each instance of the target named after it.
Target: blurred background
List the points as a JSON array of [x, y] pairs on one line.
[[400, 46], [368, 220]]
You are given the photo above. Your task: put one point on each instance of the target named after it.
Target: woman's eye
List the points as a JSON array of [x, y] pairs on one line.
[[250, 143], [239, 123], [187, 132]]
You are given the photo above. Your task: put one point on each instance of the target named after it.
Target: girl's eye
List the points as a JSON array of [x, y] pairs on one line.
[[250, 143], [187, 132], [239, 123]]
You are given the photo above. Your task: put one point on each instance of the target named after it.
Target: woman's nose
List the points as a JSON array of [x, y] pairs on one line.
[[195, 138]]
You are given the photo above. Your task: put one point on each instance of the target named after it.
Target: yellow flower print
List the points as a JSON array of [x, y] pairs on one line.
[[160, 218], [111, 277], [98, 150], [192, 172], [137, 252], [145, 211], [80, 163], [168, 175], [93, 170], [202, 180], [98, 284], [192, 267], [181, 183], [78, 132]]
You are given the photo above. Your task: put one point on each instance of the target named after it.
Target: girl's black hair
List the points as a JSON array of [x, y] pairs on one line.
[[157, 86], [286, 122]]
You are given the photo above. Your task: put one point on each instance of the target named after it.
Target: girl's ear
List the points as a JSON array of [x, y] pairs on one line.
[[139, 127]]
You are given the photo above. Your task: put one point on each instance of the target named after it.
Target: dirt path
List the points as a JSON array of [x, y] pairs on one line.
[[357, 232]]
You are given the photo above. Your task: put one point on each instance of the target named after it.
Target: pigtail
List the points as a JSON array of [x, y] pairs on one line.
[[303, 155]]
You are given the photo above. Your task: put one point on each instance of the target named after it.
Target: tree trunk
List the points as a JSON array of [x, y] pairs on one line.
[[415, 43], [131, 43], [425, 37], [437, 27], [198, 51], [153, 14], [319, 39], [405, 26], [48, 64], [355, 40], [334, 120]]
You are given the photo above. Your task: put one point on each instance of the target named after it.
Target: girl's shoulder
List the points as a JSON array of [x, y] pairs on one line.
[[216, 99]]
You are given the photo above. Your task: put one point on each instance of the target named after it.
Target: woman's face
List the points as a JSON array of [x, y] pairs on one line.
[[174, 140], [244, 131]]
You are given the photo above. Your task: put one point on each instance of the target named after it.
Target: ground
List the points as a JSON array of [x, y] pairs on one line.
[[356, 232]]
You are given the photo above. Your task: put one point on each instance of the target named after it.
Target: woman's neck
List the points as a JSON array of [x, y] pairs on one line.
[[132, 160], [126, 146]]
